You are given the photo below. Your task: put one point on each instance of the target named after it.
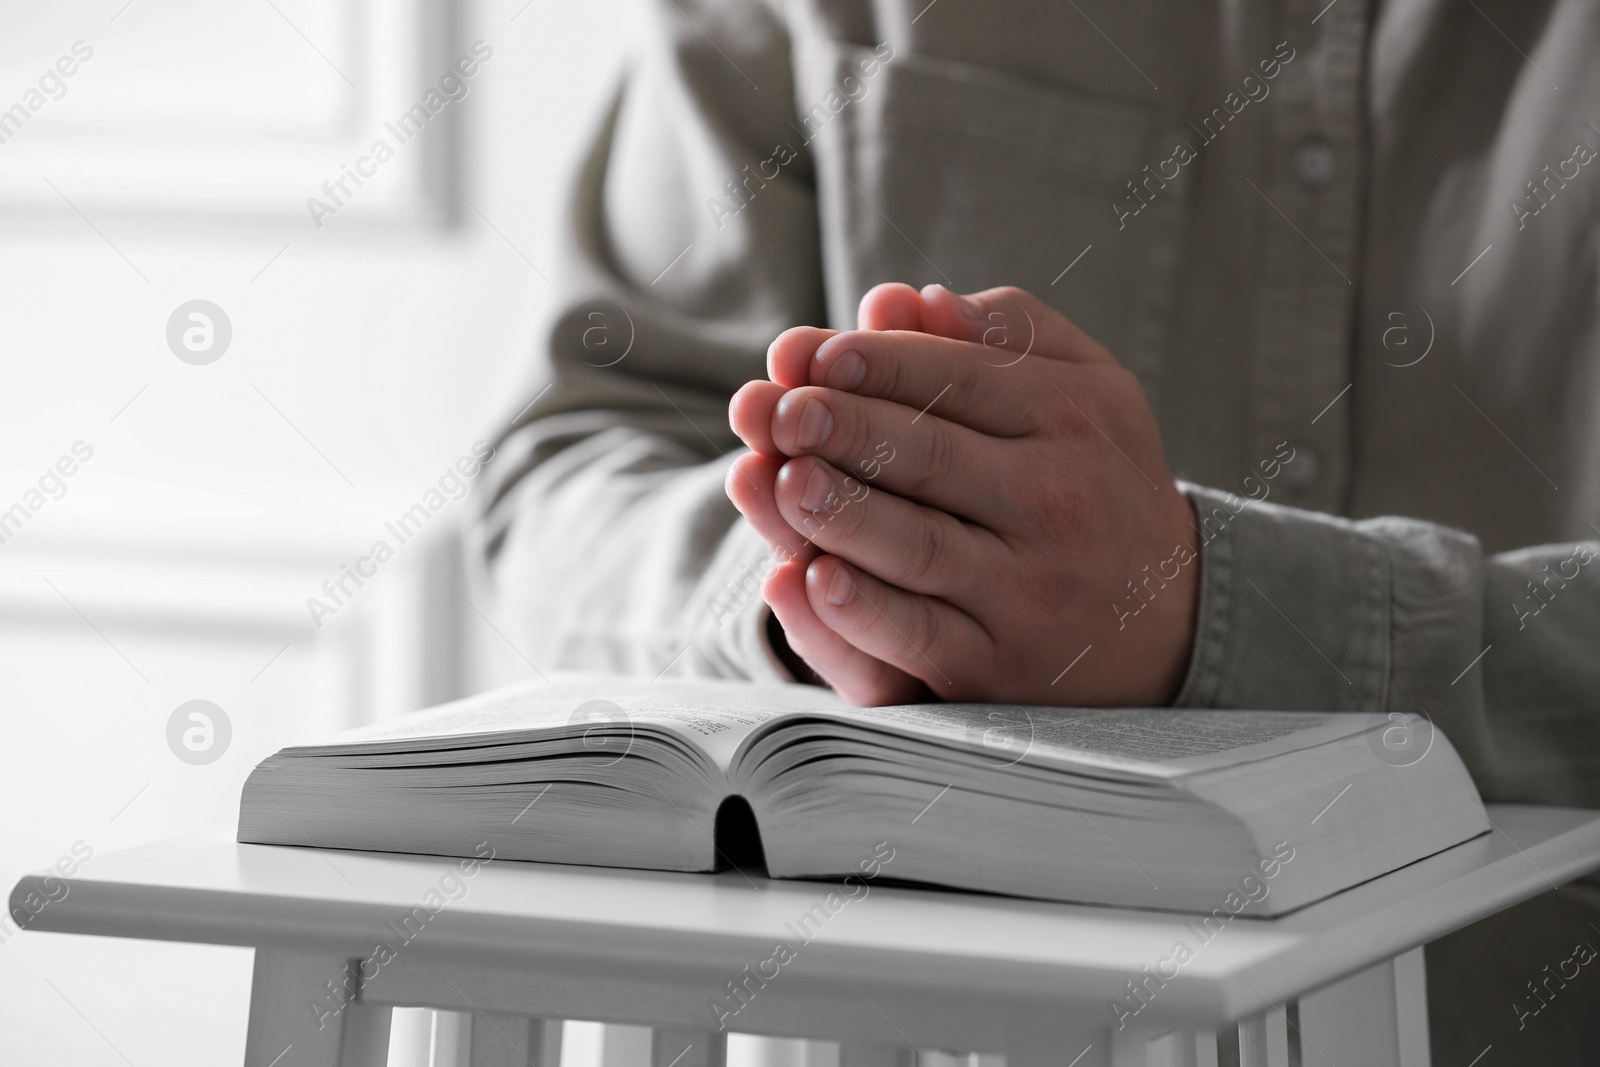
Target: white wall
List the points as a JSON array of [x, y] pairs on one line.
[[366, 357]]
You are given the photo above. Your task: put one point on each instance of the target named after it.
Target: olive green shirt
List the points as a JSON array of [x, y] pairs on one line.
[[1364, 239]]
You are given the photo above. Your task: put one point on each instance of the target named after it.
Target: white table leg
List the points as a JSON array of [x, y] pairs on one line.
[[1377, 1017], [869, 1054], [366, 1036], [1264, 1040], [550, 1042], [1087, 1047], [624, 1045], [1129, 1047], [303, 1009], [820, 1054], [451, 1039], [1139, 1047], [756, 1050], [410, 1037], [503, 1040], [1411, 1008], [688, 1048]]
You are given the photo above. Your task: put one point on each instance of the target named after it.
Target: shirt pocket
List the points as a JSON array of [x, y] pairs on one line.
[[930, 170]]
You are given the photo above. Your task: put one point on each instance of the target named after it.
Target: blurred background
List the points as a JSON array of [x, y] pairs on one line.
[[246, 387]]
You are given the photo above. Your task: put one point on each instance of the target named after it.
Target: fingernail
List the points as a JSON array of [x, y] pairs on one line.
[[848, 371], [816, 423], [818, 492], [841, 590]]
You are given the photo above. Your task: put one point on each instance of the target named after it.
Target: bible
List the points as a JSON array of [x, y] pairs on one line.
[[1158, 808]]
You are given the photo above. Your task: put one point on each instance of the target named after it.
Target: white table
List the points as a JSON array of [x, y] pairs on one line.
[[894, 970]]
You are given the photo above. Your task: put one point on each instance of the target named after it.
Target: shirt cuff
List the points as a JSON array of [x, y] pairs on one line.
[[1294, 609]]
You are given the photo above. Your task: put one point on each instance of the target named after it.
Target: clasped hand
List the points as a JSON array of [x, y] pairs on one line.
[[968, 496]]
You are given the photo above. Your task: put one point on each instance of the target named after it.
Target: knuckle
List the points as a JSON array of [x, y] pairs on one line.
[[1015, 295], [1111, 385], [850, 514], [1072, 412], [929, 558], [914, 630], [1122, 384], [965, 382], [938, 460], [855, 442], [886, 375], [1047, 587], [1020, 305], [1061, 504]]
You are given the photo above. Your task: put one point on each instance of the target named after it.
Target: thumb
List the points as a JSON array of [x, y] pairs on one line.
[[890, 306], [1011, 321]]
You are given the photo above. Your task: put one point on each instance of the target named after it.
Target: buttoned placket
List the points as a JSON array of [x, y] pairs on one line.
[[1310, 200]]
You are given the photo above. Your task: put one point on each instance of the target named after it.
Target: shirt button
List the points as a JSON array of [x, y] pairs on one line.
[[1301, 470], [1314, 163]]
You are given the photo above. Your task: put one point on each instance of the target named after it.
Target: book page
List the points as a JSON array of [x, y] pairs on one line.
[[1155, 742], [715, 717], [712, 716]]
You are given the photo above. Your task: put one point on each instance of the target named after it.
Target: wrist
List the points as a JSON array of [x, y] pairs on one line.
[[1179, 613]]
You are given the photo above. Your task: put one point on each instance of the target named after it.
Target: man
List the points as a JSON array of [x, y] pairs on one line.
[[1338, 255]]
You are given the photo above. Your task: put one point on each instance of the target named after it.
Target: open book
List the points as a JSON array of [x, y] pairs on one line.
[[1161, 808]]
